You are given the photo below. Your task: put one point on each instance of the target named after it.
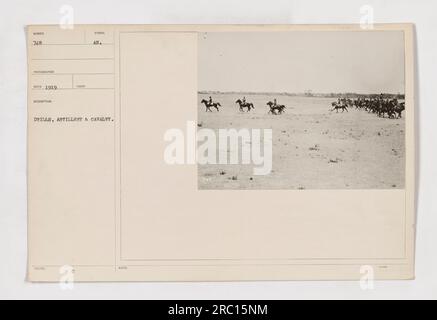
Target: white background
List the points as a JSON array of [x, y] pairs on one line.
[[14, 15]]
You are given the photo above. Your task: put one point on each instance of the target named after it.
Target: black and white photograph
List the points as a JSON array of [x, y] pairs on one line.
[[334, 102], [211, 157]]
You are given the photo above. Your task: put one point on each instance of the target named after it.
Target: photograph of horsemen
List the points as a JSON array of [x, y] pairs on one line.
[[334, 102]]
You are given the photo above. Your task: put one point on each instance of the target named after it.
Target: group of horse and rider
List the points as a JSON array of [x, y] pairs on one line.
[[378, 105], [244, 106]]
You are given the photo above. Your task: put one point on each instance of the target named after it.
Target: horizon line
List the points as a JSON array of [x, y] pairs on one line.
[[296, 93]]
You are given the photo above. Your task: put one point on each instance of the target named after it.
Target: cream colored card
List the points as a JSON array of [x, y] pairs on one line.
[[133, 173]]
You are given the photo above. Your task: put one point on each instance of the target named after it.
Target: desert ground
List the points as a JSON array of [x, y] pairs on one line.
[[313, 148]]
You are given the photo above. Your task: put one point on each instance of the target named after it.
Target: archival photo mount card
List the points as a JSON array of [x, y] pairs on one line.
[[220, 153]]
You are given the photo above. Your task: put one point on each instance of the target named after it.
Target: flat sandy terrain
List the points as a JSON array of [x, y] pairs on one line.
[[313, 148]]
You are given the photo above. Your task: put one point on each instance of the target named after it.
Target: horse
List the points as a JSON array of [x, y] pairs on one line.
[[337, 107], [399, 109], [211, 105], [379, 106], [278, 109], [243, 105]]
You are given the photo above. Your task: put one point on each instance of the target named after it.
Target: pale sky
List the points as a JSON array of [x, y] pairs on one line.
[[362, 62]]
